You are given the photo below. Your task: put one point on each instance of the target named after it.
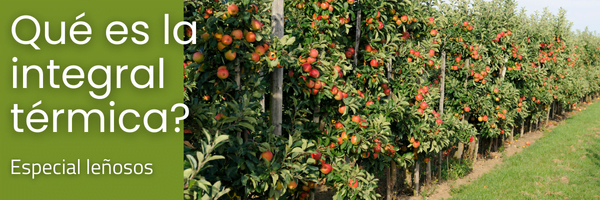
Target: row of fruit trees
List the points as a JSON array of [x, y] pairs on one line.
[[364, 87]]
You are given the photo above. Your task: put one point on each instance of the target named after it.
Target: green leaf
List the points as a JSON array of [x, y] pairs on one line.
[[220, 139], [247, 125], [291, 41], [188, 173], [193, 161], [215, 157], [297, 150]]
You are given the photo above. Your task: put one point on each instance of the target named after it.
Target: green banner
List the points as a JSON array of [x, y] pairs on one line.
[[84, 118]]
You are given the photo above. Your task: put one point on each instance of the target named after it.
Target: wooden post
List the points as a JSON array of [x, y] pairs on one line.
[[391, 171], [277, 75], [502, 75], [316, 119], [441, 109], [357, 42]]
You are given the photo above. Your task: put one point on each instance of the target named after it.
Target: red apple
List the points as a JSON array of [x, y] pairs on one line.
[[374, 63], [198, 57], [433, 32], [250, 37], [306, 67], [334, 90], [226, 40], [260, 50], [237, 34], [267, 155], [363, 123], [303, 195], [339, 125], [377, 148], [229, 55], [356, 118], [370, 103], [310, 84], [342, 109], [232, 10], [219, 116], [354, 140], [352, 183], [344, 136], [316, 156], [256, 58], [292, 185], [384, 85], [256, 25], [326, 168], [222, 72], [416, 144], [314, 73], [314, 53], [424, 105], [419, 97]]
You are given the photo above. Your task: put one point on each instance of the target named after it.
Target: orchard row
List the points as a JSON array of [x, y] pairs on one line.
[[355, 87]]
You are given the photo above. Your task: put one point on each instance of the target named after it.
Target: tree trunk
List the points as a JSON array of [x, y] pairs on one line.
[[530, 124], [553, 109], [512, 132], [489, 150], [522, 128], [238, 77], [428, 173], [409, 178], [394, 175], [496, 143], [416, 179], [459, 151], [547, 116], [388, 183], [476, 149]]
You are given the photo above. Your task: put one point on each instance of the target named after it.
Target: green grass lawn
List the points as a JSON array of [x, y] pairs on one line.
[[563, 164]]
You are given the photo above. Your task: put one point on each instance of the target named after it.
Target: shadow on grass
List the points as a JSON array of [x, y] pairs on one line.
[[593, 152]]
